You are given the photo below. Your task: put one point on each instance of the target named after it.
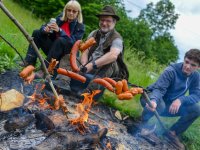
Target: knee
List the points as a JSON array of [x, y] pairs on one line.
[[142, 101], [197, 109], [36, 33], [194, 109]]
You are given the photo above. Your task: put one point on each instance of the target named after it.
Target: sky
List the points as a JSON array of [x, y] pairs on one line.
[[187, 29]]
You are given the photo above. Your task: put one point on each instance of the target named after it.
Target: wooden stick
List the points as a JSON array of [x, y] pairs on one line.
[[30, 40], [155, 112]]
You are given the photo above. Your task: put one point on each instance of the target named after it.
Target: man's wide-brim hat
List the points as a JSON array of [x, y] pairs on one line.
[[108, 11]]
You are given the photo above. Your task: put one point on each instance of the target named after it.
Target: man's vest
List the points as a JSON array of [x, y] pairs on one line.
[[123, 71]]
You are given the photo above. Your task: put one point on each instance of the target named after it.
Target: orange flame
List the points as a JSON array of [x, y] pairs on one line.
[[108, 146], [83, 110], [40, 99]]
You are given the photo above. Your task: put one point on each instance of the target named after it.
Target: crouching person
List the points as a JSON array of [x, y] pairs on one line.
[[168, 95], [105, 58], [57, 38]]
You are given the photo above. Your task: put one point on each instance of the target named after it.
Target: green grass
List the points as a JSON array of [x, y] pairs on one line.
[[142, 72], [12, 34]]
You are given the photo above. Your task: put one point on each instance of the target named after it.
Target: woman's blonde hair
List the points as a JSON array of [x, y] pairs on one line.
[[75, 4]]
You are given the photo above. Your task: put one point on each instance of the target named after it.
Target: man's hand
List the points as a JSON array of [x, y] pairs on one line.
[[174, 107], [89, 67], [153, 108]]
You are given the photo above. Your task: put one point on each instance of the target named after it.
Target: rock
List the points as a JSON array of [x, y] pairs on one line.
[[18, 122], [10, 100], [43, 122]]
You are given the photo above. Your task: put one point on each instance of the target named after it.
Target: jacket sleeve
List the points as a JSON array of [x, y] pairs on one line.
[[194, 92], [78, 33], [159, 88]]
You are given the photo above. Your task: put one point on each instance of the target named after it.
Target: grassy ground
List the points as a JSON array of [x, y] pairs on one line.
[[142, 72], [11, 33]]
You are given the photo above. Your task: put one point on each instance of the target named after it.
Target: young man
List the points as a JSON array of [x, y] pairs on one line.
[[168, 95], [104, 59]]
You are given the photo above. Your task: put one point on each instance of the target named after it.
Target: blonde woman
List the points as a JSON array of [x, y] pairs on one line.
[[57, 38]]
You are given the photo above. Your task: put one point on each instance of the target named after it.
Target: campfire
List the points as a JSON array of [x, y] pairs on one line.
[[38, 124]]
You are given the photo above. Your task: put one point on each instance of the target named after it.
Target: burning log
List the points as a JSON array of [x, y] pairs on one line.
[[68, 140]]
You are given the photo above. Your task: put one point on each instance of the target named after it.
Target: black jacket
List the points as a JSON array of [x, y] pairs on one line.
[[76, 29]]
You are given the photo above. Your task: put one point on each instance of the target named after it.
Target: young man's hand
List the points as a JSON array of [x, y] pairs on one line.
[[174, 107], [153, 108]]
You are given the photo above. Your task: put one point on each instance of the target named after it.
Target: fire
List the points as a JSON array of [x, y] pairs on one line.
[[38, 98], [41, 100], [108, 146], [83, 110]]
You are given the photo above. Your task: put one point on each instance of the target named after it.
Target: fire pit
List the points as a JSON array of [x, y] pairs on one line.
[[38, 125]]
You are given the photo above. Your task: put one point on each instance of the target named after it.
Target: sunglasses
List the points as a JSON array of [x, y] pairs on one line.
[[71, 10]]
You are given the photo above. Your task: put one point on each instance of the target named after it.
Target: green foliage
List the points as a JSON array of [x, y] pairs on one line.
[[164, 45], [12, 34], [7, 62], [161, 16], [136, 34]]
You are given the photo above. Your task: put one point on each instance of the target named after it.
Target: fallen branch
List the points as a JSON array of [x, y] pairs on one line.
[[12, 48], [94, 113], [30, 40]]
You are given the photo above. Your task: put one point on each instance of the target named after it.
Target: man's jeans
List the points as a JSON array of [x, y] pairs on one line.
[[188, 114]]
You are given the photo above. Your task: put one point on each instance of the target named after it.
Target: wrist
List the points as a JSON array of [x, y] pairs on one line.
[[59, 30], [94, 66]]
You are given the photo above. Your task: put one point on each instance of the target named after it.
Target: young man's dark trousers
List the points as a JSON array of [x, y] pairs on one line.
[[188, 114]]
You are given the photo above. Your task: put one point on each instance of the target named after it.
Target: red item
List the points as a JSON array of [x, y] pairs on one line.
[[65, 27]]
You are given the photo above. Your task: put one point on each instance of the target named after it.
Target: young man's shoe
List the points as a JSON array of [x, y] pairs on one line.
[[174, 140], [147, 129]]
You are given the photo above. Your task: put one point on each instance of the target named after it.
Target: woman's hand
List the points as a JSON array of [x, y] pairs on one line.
[[47, 29], [54, 27]]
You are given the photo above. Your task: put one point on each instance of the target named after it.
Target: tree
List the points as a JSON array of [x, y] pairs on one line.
[[164, 50], [161, 17]]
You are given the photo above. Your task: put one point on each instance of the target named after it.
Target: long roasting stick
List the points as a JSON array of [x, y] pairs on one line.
[[30, 40]]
